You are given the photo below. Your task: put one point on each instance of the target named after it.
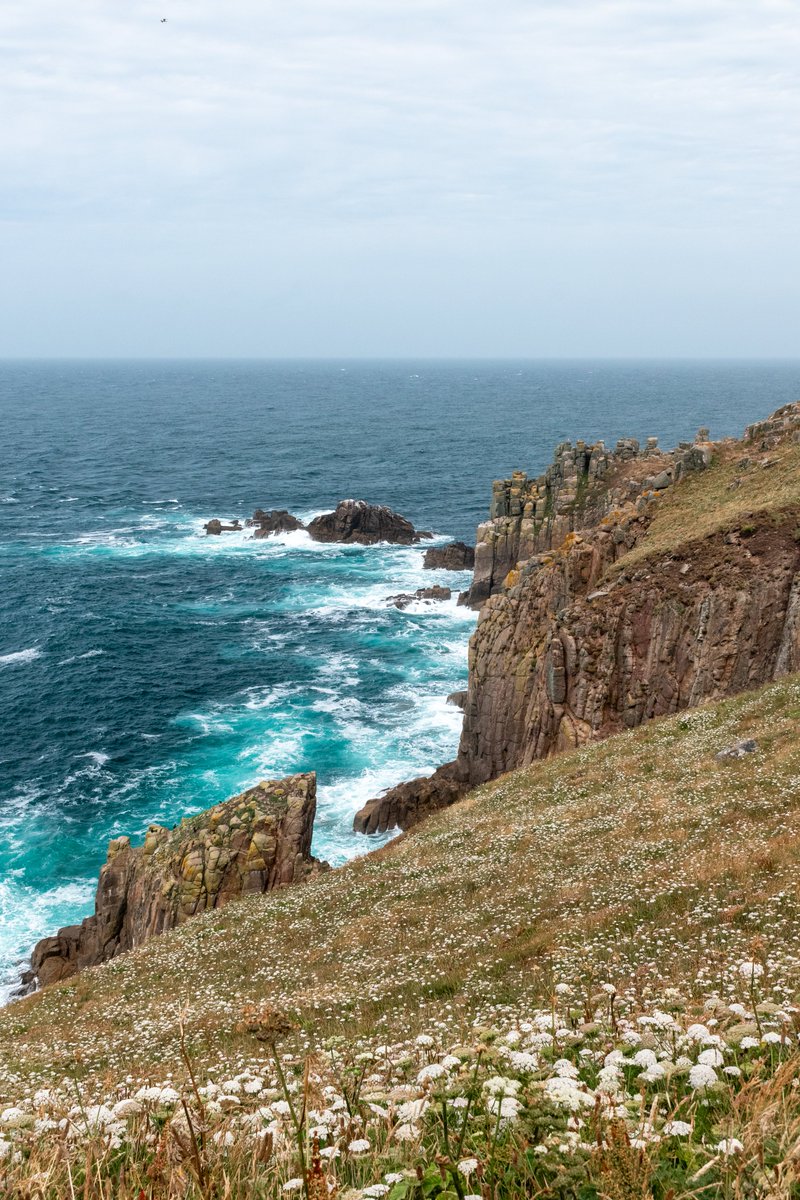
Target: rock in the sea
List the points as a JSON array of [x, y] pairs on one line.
[[408, 803], [431, 593], [215, 527], [456, 556], [252, 843], [362, 523], [277, 520]]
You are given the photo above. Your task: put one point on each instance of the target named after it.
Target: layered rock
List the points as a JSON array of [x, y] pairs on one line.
[[276, 521], [582, 485], [252, 843], [355, 521], [456, 556], [572, 646]]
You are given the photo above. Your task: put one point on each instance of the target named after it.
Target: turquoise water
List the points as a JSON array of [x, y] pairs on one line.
[[147, 671]]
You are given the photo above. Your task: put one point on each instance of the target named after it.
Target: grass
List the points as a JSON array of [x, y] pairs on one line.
[[641, 865]]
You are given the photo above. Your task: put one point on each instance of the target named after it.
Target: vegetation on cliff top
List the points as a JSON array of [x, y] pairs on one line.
[[580, 981]]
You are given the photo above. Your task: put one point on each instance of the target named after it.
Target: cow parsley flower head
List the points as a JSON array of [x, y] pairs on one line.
[[702, 1076], [677, 1129], [467, 1166], [751, 970], [358, 1146], [729, 1146]]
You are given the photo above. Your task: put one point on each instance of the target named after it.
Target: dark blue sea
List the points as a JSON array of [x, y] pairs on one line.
[[147, 671]]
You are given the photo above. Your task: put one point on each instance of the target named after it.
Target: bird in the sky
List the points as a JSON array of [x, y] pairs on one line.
[[163, 20]]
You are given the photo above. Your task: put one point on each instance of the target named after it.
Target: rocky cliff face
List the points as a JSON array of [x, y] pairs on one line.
[[572, 646], [255, 842]]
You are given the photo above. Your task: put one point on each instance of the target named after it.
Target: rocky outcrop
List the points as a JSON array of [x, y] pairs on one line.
[[215, 527], [573, 644], [582, 485], [408, 803], [276, 521], [456, 556], [255, 842], [355, 521], [435, 593]]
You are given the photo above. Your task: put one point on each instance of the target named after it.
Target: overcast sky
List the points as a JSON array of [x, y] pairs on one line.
[[400, 177]]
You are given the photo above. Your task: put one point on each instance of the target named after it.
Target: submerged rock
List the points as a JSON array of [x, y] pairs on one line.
[[252, 843], [355, 521], [431, 593], [456, 556]]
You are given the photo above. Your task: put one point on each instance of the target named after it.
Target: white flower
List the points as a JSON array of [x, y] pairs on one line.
[[523, 1060], [565, 1069], [772, 1038], [697, 1033], [424, 1039], [5, 1148], [563, 989], [358, 1146], [677, 1129], [729, 1146], [467, 1166], [432, 1071], [292, 1185], [748, 1043], [450, 1062], [506, 1107], [127, 1108], [394, 1177], [731, 1071], [751, 970], [702, 1077], [566, 1094], [15, 1118], [406, 1133], [645, 1058], [412, 1110], [609, 989], [711, 1058], [329, 1152], [375, 1190]]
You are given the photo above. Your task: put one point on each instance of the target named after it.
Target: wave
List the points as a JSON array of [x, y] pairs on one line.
[[26, 915], [20, 656], [80, 657]]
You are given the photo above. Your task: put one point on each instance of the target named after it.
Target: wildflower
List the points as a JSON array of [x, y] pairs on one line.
[[5, 1149], [467, 1166], [772, 1038], [748, 1043], [731, 1071], [329, 1152], [751, 971], [424, 1039], [711, 1058], [432, 1071], [406, 1132], [375, 1190], [729, 1146], [702, 1077], [563, 989], [394, 1177], [15, 1118], [127, 1108], [358, 1146], [697, 1033], [565, 1069], [292, 1185], [677, 1129], [566, 1094]]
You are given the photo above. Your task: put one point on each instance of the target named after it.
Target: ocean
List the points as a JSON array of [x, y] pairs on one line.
[[148, 671]]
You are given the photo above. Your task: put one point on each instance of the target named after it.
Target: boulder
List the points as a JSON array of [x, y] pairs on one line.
[[737, 750], [355, 521], [252, 843], [456, 556], [431, 593]]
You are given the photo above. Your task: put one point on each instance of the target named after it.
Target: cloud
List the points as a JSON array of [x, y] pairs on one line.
[[530, 138]]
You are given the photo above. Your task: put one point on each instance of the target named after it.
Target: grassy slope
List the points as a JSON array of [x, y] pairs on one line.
[[641, 859]]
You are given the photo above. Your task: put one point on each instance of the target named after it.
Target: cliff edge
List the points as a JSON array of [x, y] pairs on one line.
[[617, 587], [252, 843]]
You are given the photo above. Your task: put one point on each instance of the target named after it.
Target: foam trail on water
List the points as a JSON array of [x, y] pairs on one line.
[[20, 656]]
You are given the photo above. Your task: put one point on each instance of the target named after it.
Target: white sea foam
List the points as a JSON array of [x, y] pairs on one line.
[[20, 656], [27, 915], [79, 657]]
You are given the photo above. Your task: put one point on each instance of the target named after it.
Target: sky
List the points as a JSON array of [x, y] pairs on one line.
[[400, 178]]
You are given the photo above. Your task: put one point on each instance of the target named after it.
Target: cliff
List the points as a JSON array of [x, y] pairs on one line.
[[635, 584], [252, 843]]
